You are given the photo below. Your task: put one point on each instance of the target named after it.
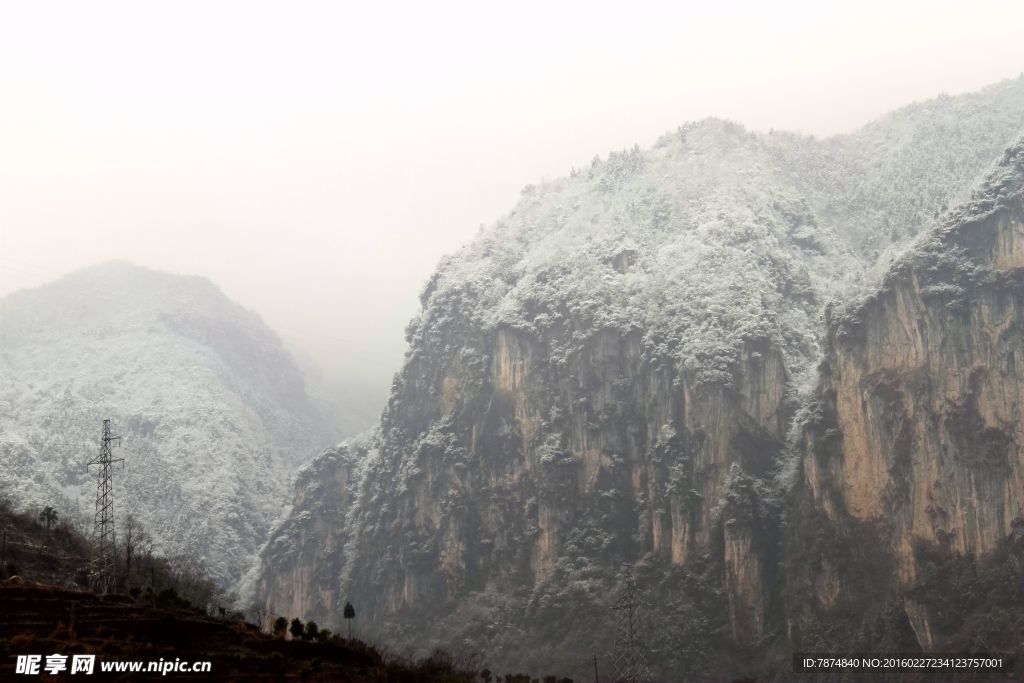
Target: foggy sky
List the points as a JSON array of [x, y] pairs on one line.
[[316, 160]]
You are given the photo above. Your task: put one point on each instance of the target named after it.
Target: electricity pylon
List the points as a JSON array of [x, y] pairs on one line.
[[101, 578], [629, 656]]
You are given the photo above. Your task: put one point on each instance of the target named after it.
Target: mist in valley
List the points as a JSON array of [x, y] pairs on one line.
[[495, 322], [317, 162]]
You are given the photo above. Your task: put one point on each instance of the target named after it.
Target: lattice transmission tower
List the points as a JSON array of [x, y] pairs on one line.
[[629, 657], [101, 578]]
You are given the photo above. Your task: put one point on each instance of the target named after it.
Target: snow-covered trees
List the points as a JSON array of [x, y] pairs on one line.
[[610, 373], [212, 409]]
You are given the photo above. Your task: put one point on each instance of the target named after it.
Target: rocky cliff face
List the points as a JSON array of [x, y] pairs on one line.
[[312, 538], [624, 371], [213, 412], [919, 427]]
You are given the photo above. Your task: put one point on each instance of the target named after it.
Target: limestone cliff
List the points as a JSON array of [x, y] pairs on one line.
[[306, 583], [919, 428], [623, 370]]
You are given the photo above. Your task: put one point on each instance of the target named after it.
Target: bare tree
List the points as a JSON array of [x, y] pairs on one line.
[[262, 614], [189, 578], [137, 541]]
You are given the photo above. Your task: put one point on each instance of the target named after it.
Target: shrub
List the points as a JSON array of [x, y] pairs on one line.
[[296, 628]]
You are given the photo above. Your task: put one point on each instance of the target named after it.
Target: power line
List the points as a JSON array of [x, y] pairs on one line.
[[68, 444], [25, 268]]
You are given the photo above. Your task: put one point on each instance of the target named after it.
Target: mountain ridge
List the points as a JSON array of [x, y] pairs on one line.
[[618, 371], [203, 392]]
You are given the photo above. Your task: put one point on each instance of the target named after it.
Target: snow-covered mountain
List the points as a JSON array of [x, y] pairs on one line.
[[213, 412], [625, 368]]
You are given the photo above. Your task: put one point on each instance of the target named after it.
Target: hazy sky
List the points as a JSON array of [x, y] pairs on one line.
[[317, 159]]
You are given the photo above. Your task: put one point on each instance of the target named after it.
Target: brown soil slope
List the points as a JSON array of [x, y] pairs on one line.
[[41, 619]]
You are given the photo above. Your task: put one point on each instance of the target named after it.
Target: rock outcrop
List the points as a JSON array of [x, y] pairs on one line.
[[624, 370], [919, 427]]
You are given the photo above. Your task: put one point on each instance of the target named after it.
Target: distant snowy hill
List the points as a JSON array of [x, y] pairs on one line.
[[213, 411]]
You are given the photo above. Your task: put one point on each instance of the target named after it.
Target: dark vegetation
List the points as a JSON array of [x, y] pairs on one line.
[[842, 595], [978, 603], [45, 547], [170, 610], [49, 619]]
